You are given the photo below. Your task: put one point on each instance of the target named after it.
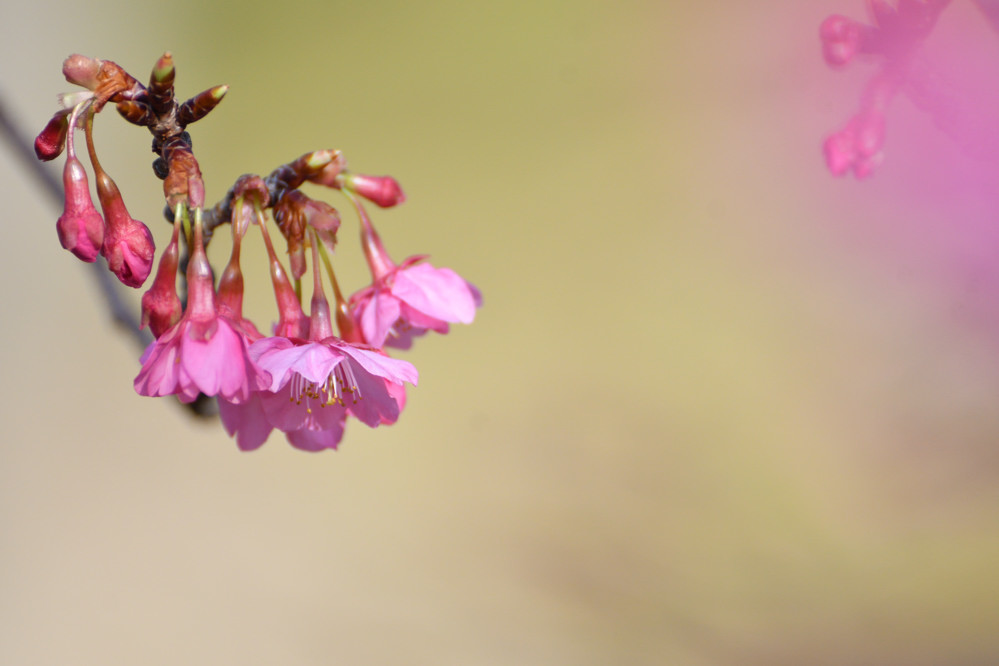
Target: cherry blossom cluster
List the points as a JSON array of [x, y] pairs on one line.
[[895, 34], [307, 378]]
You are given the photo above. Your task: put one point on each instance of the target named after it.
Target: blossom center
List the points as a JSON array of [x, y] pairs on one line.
[[340, 388]]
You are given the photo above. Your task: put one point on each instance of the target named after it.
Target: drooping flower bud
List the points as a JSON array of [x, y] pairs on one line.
[[50, 141], [383, 191], [128, 244], [80, 227], [292, 322], [161, 307], [230, 287], [857, 146]]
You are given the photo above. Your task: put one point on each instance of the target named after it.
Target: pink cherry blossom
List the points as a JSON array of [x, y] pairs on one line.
[[407, 299], [411, 299], [316, 384], [198, 356], [204, 352]]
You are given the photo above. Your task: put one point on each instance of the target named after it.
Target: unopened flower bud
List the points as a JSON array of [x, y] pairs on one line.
[[857, 146], [161, 306], [383, 191], [840, 40], [82, 71], [50, 141], [128, 245], [80, 228]]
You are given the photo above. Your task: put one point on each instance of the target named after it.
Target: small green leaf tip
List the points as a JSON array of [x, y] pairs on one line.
[[218, 92], [320, 158], [163, 70]]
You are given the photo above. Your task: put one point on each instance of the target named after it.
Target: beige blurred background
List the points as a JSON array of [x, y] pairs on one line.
[[718, 408]]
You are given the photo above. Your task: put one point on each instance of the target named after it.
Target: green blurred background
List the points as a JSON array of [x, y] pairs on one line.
[[718, 408]]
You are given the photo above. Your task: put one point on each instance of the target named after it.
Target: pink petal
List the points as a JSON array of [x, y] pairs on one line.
[[438, 292], [380, 365], [314, 361], [373, 405], [377, 314], [325, 432], [246, 421]]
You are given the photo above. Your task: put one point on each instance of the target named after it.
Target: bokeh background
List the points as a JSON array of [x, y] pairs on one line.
[[719, 407]]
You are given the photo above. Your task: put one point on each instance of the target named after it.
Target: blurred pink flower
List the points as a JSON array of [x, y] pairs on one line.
[[896, 34]]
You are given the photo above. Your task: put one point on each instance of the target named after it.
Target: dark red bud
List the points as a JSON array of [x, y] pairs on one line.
[[50, 143]]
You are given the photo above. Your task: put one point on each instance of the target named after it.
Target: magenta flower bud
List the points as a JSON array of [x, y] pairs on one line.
[[80, 228], [50, 141], [857, 146], [161, 307], [128, 245], [839, 153], [383, 191], [840, 40], [82, 71]]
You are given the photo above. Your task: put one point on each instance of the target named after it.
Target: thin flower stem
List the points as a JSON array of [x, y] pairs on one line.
[[88, 131], [343, 321], [374, 251]]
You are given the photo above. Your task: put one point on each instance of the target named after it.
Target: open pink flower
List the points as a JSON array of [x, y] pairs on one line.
[[411, 299], [407, 299], [204, 352], [316, 384]]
